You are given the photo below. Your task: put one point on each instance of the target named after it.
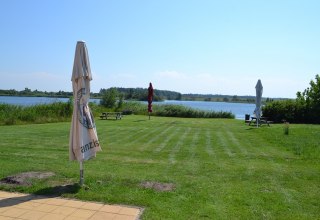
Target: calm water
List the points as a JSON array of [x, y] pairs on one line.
[[27, 101], [238, 109]]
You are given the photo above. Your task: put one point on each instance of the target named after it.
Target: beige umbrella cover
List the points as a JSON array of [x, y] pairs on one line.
[[84, 141], [259, 90]]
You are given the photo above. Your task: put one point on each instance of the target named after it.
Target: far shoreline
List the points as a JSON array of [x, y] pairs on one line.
[[157, 101]]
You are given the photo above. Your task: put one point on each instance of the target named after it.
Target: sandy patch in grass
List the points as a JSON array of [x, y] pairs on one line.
[[162, 187], [23, 179]]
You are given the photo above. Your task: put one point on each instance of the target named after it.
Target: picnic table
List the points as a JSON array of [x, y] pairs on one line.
[[262, 120], [107, 115]]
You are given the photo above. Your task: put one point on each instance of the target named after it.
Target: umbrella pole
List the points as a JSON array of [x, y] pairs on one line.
[[81, 173], [149, 115]]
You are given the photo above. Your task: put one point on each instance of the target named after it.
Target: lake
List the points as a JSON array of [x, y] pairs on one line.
[[27, 101], [238, 109]]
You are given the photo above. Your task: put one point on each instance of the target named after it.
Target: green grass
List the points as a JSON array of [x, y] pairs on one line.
[[221, 168]]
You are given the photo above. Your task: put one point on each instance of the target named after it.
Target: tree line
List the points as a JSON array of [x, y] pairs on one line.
[[35, 93], [141, 94], [138, 94]]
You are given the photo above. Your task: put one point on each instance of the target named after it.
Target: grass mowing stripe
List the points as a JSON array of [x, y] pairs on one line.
[[250, 149], [275, 180], [209, 146], [165, 141], [154, 137], [194, 144], [261, 139], [223, 143], [134, 133], [231, 141], [236, 142], [144, 136], [177, 146], [194, 159]]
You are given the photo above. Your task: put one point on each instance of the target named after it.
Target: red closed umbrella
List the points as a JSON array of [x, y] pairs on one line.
[[150, 98]]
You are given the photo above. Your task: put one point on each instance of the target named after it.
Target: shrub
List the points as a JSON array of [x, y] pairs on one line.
[[304, 109], [13, 114], [173, 111], [290, 110]]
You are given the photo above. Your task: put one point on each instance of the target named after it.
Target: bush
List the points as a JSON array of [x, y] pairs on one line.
[[55, 112], [305, 109], [173, 111], [290, 110], [185, 112]]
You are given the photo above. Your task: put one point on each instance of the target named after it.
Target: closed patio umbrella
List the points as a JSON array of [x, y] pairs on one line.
[[84, 141], [259, 90], [150, 98]]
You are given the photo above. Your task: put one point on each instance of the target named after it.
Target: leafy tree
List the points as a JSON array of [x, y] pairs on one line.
[[109, 98], [310, 98], [120, 102], [305, 109]]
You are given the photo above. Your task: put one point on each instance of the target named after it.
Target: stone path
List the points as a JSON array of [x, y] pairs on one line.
[[32, 207]]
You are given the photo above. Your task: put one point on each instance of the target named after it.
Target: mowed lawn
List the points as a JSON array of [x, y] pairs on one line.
[[220, 168]]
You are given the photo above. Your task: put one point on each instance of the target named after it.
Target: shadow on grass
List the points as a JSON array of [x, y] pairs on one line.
[[49, 192], [59, 190], [142, 120], [251, 128]]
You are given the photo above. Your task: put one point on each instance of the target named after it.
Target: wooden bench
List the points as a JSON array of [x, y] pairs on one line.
[[107, 115], [263, 120]]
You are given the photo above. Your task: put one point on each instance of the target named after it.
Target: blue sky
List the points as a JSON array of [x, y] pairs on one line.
[[189, 46]]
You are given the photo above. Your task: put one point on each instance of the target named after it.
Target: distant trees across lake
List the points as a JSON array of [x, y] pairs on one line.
[[139, 94], [219, 98], [35, 93]]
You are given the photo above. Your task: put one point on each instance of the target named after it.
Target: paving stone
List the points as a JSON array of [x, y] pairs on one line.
[[32, 207]]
